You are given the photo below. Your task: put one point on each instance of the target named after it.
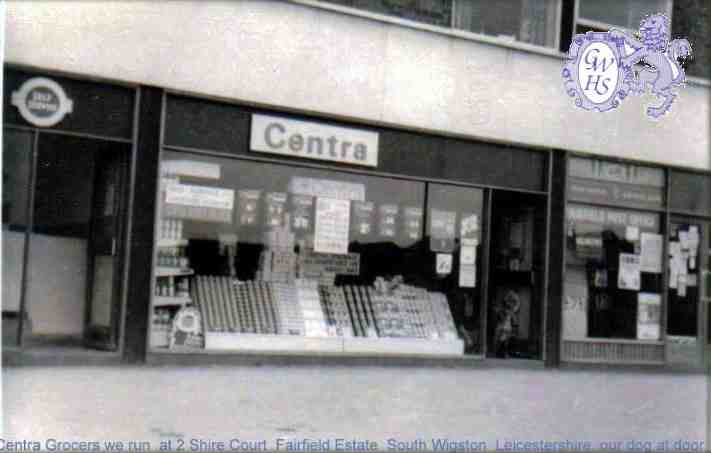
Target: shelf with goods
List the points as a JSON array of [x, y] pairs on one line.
[[304, 316]]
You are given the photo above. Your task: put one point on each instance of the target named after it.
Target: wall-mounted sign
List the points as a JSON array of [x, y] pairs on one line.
[[599, 181], [294, 138], [42, 102]]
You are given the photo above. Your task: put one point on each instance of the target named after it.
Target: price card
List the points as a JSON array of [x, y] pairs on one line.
[[332, 225], [388, 220]]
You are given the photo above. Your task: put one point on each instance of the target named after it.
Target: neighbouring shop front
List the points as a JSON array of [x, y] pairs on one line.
[[67, 150], [159, 226], [636, 264]]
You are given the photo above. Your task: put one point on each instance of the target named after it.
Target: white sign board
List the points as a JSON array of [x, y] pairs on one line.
[[199, 196], [332, 224], [629, 276], [310, 140]]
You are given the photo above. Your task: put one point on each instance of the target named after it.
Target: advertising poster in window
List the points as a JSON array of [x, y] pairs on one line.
[[388, 220], [412, 223], [467, 266], [274, 209], [210, 204], [444, 263], [649, 316], [629, 276], [651, 253], [469, 228], [442, 230], [301, 209], [332, 226], [363, 213], [248, 207]]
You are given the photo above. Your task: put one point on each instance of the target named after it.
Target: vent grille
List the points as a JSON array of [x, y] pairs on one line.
[[611, 352]]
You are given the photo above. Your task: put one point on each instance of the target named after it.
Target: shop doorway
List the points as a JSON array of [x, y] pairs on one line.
[[517, 264], [64, 238], [687, 303]]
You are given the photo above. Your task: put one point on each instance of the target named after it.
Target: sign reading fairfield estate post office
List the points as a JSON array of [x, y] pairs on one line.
[[603, 68]]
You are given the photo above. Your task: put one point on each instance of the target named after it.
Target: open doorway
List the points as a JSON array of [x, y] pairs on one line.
[[66, 240], [517, 264]]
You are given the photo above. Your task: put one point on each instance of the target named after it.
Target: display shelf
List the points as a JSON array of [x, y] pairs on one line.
[[400, 346], [172, 242], [165, 271], [167, 301], [244, 342]]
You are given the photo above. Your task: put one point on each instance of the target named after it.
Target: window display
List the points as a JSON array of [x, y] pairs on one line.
[[268, 257], [613, 265]]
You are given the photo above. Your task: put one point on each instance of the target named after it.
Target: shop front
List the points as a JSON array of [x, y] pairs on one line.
[[67, 152], [219, 231], [279, 234], [636, 264]]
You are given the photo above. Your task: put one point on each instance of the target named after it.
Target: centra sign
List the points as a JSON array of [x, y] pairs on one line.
[[42, 102], [276, 135]]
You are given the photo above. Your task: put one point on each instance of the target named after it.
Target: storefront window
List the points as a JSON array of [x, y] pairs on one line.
[[614, 255], [16, 164], [256, 256]]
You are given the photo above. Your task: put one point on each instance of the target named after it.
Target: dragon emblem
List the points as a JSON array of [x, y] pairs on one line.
[[603, 68]]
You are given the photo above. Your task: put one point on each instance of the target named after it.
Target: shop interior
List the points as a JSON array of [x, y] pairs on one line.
[[516, 269], [63, 198]]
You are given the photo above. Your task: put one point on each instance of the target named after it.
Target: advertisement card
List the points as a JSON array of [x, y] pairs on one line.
[[651, 253], [444, 263], [248, 207], [412, 224], [301, 212], [274, 208], [469, 226], [467, 276], [387, 224], [649, 315], [629, 276], [442, 230], [332, 226], [363, 213]]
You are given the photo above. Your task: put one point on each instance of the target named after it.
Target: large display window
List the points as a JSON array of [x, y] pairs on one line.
[[255, 256], [614, 299]]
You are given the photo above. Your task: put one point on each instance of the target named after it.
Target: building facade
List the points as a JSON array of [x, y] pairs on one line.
[[336, 181]]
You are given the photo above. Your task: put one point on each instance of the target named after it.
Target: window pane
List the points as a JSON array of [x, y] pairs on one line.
[[613, 279], [692, 20], [684, 278], [690, 192], [316, 260], [434, 12], [622, 13], [16, 163], [530, 21]]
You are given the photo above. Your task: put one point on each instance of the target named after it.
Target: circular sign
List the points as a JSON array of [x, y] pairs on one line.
[[42, 102]]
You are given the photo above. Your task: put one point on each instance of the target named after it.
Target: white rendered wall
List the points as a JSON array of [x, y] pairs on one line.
[[305, 58]]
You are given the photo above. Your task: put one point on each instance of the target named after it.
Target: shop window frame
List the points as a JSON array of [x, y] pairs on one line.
[[162, 355]]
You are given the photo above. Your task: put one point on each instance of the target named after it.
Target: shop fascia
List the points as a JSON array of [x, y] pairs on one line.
[[311, 140]]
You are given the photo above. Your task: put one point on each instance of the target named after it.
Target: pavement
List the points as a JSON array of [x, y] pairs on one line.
[[391, 406]]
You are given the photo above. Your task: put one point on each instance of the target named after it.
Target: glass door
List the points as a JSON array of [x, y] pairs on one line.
[[71, 289], [686, 312], [16, 167], [104, 291]]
